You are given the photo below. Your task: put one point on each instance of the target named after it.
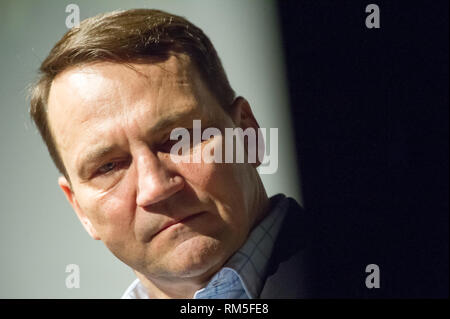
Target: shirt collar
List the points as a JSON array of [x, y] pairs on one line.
[[243, 275]]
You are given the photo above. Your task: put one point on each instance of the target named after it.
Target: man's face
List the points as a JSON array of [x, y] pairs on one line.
[[111, 126]]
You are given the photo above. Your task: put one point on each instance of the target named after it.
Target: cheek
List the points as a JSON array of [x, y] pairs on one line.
[[207, 171], [223, 183], [207, 177], [111, 213]]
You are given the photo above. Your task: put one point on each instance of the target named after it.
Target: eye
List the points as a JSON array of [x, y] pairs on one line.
[[166, 145], [107, 167], [113, 166]]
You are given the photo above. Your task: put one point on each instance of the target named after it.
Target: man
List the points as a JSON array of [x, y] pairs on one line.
[[109, 96]]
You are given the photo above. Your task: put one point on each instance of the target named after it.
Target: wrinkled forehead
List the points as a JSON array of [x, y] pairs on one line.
[[84, 94], [101, 82]]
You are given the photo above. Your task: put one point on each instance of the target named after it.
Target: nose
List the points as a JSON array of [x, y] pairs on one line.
[[155, 182]]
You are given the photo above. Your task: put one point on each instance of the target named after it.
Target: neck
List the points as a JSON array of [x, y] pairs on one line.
[[261, 204], [175, 288]]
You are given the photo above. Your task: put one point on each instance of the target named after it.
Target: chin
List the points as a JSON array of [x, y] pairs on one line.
[[196, 256]]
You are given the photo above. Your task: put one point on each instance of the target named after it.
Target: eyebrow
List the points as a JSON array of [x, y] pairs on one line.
[[96, 153], [171, 121]]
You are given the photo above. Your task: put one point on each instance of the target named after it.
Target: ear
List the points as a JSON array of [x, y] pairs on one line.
[[65, 186], [242, 116]]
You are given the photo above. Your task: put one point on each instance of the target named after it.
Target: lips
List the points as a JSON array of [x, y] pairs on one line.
[[174, 222]]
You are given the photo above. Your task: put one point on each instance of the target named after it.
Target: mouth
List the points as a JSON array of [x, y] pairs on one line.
[[173, 223]]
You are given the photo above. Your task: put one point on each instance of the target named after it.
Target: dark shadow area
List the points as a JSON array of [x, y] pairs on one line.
[[370, 111]]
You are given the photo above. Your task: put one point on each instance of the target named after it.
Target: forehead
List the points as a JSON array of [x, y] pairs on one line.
[[87, 102], [105, 88]]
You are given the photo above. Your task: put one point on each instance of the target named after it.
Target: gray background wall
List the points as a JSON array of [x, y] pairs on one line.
[[39, 233]]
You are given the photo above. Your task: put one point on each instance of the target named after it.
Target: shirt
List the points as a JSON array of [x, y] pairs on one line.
[[242, 277]]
